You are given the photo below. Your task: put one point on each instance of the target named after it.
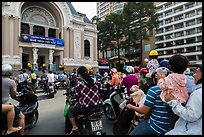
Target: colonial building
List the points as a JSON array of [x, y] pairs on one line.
[[47, 33]]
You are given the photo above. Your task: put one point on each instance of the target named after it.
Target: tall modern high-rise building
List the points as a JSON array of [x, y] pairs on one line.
[[180, 30], [105, 8]]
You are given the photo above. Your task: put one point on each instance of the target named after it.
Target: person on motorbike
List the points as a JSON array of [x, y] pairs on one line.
[[86, 96], [10, 113], [9, 88], [130, 79], [50, 78], [115, 78], [44, 80]]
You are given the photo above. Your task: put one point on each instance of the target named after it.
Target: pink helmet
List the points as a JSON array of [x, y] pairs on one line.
[[144, 70], [136, 68]]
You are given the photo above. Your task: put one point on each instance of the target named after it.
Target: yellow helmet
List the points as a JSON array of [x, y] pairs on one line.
[[153, 53], [89, 68]]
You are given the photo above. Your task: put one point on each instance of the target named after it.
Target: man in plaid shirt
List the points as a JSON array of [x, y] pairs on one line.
[[87, 95]]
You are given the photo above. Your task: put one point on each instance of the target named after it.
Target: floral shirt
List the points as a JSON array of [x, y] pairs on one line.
[[87, 97]]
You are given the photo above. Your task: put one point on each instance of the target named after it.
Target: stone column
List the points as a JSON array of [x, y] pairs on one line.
[[31, 28], [46, 31], [51, 58], [35, 57]]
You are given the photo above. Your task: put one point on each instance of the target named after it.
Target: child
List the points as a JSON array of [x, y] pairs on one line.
[[176, 81], [153, 63]]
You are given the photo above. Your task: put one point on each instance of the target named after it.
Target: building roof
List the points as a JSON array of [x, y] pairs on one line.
[[74, 12]]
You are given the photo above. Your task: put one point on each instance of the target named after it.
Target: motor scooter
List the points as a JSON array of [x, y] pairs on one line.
[[28, 105], [112, 104], [89, 121]]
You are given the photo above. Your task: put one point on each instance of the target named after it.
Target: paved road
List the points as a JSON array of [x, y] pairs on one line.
[[51, 119]]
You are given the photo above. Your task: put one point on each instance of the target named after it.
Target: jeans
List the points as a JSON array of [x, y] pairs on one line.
[[143, 128]]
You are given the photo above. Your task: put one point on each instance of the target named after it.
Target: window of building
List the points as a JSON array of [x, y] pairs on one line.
[[199, 29], [179, 42], [190, 23], [190, 14], [169, 44], [199, 39], [190, 40], [168, 21], [86, 48], [168, 13], [178, 10], [52, 32], [178, 17], [160, 31], [38, 30], [199, 20], [168, 28], [191, 31], [190, 5], [169, 36], [25, 28], [178, 34], [178, 26]]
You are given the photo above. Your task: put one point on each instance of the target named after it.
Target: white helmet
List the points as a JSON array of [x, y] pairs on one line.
[[163, 70], [130, 69], [6, 70], [187, 71], [114, 70]]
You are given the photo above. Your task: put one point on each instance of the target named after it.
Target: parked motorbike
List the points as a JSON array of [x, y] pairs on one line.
[[89, 122], [111, 105], [28, 105]]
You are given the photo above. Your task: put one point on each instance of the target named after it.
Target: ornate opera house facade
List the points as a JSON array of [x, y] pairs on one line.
[[47, 33]]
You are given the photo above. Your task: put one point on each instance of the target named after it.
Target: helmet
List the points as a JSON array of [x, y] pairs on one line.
[[187, 71], [6, 70], [82, 70], [164, 63], [124, 68], [144, 70], [146, 60], [129, 69], [114, 70], [136, 68], [153, 53], [89, 68], [163, 70]]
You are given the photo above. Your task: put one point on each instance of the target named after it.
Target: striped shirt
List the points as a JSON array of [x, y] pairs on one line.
[[158, 119]]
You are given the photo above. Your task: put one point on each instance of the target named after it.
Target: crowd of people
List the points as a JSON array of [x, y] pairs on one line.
[[169, 86]]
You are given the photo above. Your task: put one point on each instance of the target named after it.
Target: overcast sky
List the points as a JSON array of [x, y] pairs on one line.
[[88, 8]]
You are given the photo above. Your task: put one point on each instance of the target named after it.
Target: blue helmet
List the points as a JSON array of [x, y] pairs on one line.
[[124, 68], [164, 63]]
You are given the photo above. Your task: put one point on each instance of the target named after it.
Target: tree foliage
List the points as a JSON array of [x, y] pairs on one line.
[[133, 24]]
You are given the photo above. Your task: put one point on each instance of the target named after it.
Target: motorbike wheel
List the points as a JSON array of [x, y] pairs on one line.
[[109, 112], [34, 120]]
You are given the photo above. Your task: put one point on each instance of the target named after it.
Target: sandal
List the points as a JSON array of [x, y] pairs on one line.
[[16, 129], [74, 132]]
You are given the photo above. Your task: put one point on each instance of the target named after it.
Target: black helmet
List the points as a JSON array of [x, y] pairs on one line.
[[82, 70]]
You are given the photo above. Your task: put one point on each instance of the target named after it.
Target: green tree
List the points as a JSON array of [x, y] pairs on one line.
[[114, 24], [139, 17]]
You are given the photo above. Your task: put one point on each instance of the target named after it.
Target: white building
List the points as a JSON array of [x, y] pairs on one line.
[[180, 30], [105, 8], [47, 32]]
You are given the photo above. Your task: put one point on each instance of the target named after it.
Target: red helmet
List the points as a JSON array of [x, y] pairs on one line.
[[144, 70], [136, 68]]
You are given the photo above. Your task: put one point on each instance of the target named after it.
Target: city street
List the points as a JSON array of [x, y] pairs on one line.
[[51, 118]]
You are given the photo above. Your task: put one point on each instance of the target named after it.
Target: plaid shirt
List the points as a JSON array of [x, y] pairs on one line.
[[87, 97]]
